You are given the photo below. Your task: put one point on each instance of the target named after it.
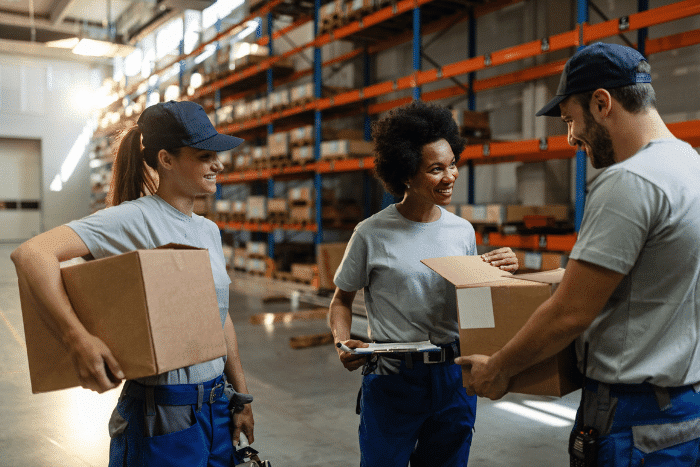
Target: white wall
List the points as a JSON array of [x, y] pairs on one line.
[[38, 101]]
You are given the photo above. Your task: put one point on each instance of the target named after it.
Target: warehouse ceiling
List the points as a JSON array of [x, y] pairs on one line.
[[26, 26]]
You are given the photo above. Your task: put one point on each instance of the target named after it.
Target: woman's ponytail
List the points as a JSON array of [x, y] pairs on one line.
[[133, 171]]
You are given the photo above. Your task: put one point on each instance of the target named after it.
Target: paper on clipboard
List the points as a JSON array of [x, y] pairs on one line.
[[397, 347]]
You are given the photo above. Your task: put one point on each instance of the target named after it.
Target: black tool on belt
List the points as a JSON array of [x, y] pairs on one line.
[[583, 442]]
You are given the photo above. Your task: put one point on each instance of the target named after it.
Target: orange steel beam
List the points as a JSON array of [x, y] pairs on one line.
[[676, 41], [345, 165], [277, 34], [643, 19], [510, 54], [687, 131], [528, 74]]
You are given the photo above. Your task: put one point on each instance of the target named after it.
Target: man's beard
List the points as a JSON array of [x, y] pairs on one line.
[[599, 141]]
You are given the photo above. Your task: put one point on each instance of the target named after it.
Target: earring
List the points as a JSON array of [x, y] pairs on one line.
[[408, 186]]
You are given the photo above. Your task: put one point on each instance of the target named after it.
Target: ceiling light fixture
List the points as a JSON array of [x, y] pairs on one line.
[[93, 47]]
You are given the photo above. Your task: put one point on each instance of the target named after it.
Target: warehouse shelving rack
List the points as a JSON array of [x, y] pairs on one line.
[[351, 102], [554, 147]]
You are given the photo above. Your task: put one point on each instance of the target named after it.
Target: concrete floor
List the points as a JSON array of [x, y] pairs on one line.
[[304, 401]]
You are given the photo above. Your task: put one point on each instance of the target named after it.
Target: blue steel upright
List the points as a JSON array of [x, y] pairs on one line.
[[581, 158], [417, 46]]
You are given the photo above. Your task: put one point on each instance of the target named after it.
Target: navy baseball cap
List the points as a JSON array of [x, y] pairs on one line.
[[597, 66], [175, 124]]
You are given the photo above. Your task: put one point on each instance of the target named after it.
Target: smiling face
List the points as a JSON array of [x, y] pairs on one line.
[[589, 135], [434, 182], [195, 171]]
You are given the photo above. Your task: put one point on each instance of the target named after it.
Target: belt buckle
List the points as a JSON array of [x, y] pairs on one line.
[[428, 361], [212, 393]]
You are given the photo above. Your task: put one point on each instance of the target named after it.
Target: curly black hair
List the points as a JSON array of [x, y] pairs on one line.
[[400, 136]]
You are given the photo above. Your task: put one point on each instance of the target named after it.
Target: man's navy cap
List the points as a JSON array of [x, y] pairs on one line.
[[596, 66], [174, 124]]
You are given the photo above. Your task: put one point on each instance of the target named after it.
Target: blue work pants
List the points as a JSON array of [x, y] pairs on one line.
[[644, 425], [422, 414], [173, 426]]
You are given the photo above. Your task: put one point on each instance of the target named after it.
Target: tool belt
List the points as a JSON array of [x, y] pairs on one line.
[[180, 394]]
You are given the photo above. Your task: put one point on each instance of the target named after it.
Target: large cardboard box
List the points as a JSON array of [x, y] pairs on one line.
[[493, 306], [328, 257], [155, 309], [516, 213], [483, 213]]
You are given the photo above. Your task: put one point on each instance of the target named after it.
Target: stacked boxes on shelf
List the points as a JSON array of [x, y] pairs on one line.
[[301, 205], [278, 100], [278, 147], [222, 209], [256, 209], [508, 214], [328, 258], [307, 273], [239, 211], [343, 148], [257, 261], [277, 212], [474, 126], [240, 259], [540, 260]]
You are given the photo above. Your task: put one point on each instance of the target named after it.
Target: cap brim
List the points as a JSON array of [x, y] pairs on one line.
[[552, 108], [218, 143]]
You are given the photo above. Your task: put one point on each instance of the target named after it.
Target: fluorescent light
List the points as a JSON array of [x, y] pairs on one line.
[[64, 43], [92, 47], [532, 414]]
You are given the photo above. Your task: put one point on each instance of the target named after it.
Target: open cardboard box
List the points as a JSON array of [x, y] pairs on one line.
[[493, 306], [155, 309]]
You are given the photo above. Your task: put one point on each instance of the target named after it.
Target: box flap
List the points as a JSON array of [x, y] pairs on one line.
[[463, 271], [546, 277], [177, 246]]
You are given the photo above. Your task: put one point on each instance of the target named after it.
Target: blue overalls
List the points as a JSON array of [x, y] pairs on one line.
[[174, 425], [643, 424], [424, 403]]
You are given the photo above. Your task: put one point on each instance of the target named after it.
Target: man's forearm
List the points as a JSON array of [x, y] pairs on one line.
[[550, 329]]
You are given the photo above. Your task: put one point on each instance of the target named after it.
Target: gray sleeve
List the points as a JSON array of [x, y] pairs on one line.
[[621, 212], [113, 230], [352, 273]]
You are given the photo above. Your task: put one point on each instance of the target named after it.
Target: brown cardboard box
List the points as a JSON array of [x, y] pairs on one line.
[[300, 195], [517, 212], [346, 148], [304, 272], [493, 306], [142, 304], [301, 213], [328, 258], [303, 153], [278, 144], [483, 213], [256, 208]]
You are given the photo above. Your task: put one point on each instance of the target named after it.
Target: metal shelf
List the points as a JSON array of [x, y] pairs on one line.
[[266, 227], [553, 147]]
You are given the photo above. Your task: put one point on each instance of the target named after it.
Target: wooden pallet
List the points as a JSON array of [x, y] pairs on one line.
[[289, 277], [277, 217], [311, 340], [287, 316]]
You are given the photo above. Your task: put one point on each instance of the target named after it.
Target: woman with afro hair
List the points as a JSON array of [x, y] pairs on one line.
[[410, 409]]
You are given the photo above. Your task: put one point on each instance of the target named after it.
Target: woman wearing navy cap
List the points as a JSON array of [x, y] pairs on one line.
[[162, 164]]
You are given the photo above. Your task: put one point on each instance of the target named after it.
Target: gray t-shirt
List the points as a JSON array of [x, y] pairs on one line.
[[642, 219], [150, 222], [405, 299]]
